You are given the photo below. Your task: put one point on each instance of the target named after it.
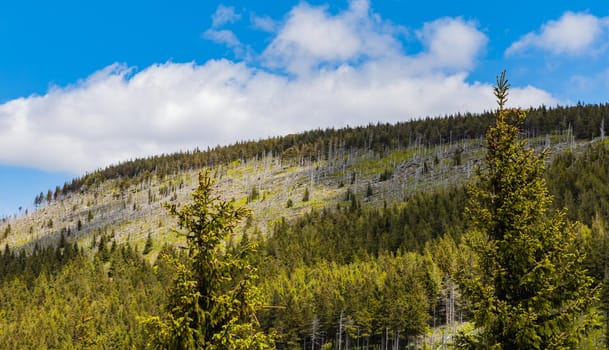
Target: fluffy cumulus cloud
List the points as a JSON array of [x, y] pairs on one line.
[[311, 37], [573, 34], [319, 70], [451, 43]]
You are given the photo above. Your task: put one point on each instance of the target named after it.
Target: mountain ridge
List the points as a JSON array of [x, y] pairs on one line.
[[370, 163]]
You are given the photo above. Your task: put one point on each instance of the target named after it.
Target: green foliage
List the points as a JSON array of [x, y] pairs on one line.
[[306, 195], [579, 182], [425, 169], [348, 233], [594, 241], [254, 194], [361, 262], [60, 298], [527, 285], [457, 157], [369, 191], [369, 296], [148, 245], [387, 174], [213, 301]]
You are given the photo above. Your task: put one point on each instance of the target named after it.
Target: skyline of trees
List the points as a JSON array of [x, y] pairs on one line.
[[579, 121]]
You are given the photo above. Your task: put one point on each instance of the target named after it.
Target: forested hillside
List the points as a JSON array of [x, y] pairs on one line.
[[581, 122], [359, 233]]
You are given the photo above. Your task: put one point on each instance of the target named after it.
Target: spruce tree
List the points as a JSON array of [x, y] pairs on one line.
[[148, 245], [526, 282], [212, 302]]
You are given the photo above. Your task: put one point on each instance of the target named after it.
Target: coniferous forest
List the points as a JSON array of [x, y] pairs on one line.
[[515, 256]]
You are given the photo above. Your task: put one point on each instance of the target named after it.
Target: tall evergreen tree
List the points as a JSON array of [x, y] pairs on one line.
[[212, 302], [526, 283]]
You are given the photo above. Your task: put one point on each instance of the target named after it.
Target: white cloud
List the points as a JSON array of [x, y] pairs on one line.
[[224, 15], [353, 72], [311, 37], [223, 36], [264, 23], [452, 43], [573, 33]]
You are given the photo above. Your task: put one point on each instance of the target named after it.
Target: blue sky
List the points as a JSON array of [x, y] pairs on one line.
[[88, 84]]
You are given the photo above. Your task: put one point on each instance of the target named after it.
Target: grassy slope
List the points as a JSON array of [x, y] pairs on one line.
[[133, 213]]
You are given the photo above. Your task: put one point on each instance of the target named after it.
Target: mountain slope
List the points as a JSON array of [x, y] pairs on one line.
[[378, 163], [348, 218]]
